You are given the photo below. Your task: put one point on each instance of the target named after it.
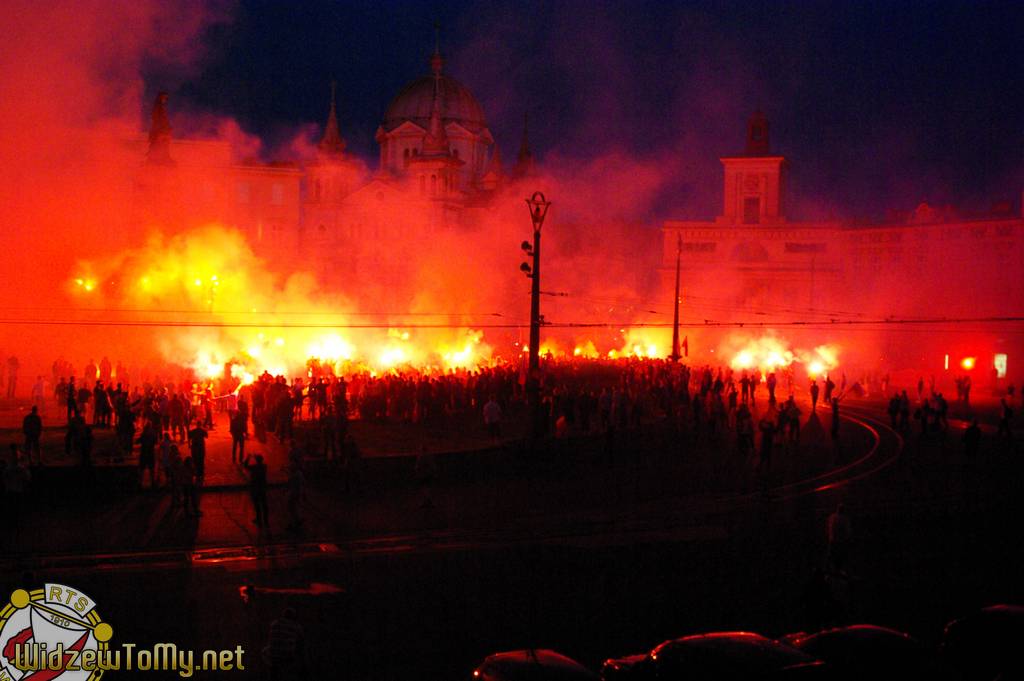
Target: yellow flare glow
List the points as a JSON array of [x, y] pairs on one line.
[[391, 357], [331, 348]]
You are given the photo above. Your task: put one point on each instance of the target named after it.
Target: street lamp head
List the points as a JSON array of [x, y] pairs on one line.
[[525, 269], [527, 247], [538, 206]]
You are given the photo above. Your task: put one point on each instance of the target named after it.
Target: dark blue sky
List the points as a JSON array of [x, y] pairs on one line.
[[879, 105]]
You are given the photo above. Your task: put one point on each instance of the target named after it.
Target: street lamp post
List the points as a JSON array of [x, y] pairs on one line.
[[538, 207], [675, 356]]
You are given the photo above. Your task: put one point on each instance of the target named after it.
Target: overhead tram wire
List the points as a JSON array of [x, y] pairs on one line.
[[700, 303], [704, 302], [340, 313], [873, 324]]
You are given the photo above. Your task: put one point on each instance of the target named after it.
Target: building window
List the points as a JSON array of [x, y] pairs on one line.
[[804, 248], [433, 185], [243, 192], [277, 194], [751, 210], [699, 246], [423, 185]]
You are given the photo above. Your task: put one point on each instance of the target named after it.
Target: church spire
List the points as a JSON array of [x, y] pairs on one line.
[[436, 141], [160, 133], [524, 160], [332, 143], [436, 61]]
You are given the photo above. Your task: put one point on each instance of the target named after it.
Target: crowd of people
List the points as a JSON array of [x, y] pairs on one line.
[[575, 398]]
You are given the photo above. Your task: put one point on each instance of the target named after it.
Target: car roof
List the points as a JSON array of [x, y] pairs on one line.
[[730, 651], [530, 665]]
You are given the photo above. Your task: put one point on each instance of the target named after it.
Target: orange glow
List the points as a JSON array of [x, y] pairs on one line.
[[85, 284], [967, 363], [586, 350], [772, 353], [212, 271]]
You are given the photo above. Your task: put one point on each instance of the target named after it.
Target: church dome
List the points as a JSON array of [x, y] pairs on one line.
[[414, 102]]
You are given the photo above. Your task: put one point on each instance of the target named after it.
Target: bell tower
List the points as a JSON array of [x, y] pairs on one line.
[[754, 182]]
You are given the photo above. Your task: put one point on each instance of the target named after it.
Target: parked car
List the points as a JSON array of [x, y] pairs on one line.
[[986, 644], [531, 665], [865, 651], [716, 656]]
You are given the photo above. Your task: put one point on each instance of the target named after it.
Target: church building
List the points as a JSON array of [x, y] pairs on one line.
[[331, 214]]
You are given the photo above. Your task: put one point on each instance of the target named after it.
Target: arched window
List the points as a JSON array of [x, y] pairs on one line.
[[423, 185], [405, 155], [433, 185]]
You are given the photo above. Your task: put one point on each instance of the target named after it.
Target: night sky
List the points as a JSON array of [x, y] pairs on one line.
[[878, 105]]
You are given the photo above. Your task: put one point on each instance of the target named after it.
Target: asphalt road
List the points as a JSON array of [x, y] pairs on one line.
[[405, 591]]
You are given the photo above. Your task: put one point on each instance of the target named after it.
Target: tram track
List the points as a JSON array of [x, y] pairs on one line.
[[681, 524], [886, 450]]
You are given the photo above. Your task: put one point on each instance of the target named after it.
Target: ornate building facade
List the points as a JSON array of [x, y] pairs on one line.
[[753, 263], [438, 165]]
